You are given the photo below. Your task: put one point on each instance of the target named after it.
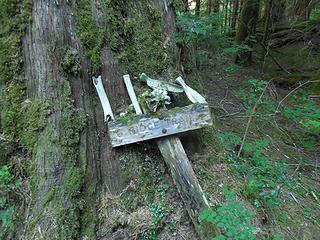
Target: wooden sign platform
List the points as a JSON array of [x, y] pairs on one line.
[[145, 127]]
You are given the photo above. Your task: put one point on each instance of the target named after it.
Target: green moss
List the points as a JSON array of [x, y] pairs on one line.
[[34, 119], [73, 181], [89, 215], [68, 202], [71, 62], [72, 122], [136, 35], [12, 114], [92, 36], [23, 120], [49, 196], [15, 15]]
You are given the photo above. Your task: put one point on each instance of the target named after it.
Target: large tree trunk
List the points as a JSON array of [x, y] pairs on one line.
[[73, 162]]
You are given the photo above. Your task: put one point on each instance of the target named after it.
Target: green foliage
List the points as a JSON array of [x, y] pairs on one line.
[[233, 218], [262, 178], [73, 181], [21, 119], [196, 32], [304, 111], [8, 184], [71, 62], [137, 39], [160, 213], [91, 34], [315, 14], [14, 17], [251, 97]]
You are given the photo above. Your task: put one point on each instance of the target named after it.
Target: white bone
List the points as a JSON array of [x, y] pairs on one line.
[[132, 94], [192, 94], [97, 82]]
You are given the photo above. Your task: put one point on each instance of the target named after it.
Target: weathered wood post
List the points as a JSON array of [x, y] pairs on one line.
[[163, 128]]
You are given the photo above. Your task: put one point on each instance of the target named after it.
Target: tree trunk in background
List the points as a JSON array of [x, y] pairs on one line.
[[198, 3], [303, 9], [278, 11], [226, 13], [209, 6], [216, 6], [73, 162], [234, 18], [246, 28], [267, 20]]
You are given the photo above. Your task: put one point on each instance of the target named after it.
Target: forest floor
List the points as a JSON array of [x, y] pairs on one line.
[[275, 175]]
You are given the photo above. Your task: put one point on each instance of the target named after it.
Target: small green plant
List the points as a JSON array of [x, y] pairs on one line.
[[262, 178], [8, 184], [305, 112], [160, 212], [233, 218], [256, 95]]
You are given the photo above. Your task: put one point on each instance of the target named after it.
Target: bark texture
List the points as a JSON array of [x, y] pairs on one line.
[[73, 161]]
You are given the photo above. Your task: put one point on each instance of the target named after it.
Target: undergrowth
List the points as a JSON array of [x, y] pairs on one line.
[[233, 218]]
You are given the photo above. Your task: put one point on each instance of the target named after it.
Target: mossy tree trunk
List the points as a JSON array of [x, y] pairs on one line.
[[71, 159], [246, 29]]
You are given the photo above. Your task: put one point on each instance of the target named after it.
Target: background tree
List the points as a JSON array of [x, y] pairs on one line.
[[235, 12], [246, 28]]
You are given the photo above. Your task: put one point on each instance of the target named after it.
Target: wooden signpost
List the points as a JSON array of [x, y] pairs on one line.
[[148, 127], [164, 128]]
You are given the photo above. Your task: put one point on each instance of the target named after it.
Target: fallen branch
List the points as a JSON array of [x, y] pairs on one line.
[[295, 89], [273, 59]]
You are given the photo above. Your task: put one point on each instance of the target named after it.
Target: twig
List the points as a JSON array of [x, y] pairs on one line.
[[250, 119], [273, 59], [294, 198], [295, 89]]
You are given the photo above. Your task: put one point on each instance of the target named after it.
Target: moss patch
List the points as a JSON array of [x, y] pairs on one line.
[[136, 35], [73, 121], [23, 119], [71, 62], [91, 35], [67, 203]]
